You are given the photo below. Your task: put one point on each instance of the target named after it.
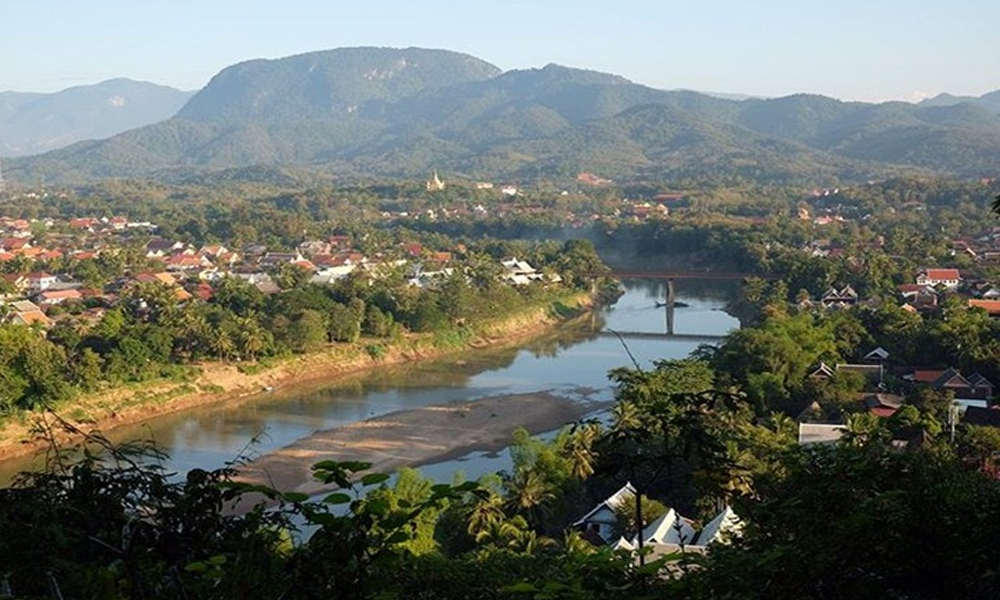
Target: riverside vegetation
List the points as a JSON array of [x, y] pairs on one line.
[[846, 520], [150, 334]]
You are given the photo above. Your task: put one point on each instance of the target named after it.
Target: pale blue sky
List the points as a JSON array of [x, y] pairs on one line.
[[849, 49]]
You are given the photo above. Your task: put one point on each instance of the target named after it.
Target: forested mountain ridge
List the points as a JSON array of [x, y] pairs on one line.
[[327, 85], [31, 123], [989, 100], [401, 113]]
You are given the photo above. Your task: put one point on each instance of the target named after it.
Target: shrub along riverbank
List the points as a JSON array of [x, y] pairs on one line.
[[221, 381]]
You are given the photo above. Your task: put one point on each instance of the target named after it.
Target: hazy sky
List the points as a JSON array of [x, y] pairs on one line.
[[849, 49]]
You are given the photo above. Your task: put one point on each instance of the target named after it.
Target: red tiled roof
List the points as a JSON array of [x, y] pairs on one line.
[[57, 294], [927, 376], [883, 411], [990, 306], [943, 274], [32, 317]]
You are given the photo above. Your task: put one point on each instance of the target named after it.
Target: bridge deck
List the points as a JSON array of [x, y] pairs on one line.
[[652, 335], [716, 275]]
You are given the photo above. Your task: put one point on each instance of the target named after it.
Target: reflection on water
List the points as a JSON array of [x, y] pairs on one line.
[[571, 361]]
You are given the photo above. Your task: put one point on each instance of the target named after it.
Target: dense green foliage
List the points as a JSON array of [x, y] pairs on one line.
[[860, 519], [150, 333]]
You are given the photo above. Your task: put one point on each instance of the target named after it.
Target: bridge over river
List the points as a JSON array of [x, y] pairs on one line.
[[672, 275], [652, 335], [669, 305]]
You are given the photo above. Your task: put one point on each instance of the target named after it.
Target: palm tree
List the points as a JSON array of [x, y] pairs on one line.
[[527, 541], [485, 514], [529, 494], [580, 447], [221, 341], [192, 329], [251, 337], [502, 533]]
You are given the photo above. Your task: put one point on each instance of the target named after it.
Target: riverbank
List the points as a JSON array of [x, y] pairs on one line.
[[221, 382], [416, 437]]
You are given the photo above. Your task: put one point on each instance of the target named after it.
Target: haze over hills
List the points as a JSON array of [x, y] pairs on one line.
[[989, 100], [32, 123], [403, 112]]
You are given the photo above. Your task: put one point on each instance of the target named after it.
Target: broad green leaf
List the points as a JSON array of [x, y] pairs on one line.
[[374, 478], [337, 498]]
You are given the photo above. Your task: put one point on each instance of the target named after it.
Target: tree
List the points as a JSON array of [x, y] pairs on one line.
[[221, 341], [305, 332], [343, 324], [626, 511], [251, 337], [852, 518]]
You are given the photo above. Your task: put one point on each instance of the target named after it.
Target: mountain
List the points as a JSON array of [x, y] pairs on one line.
[[989, 100], [962, 138], [32, 123], [403, 112], [327, 85]]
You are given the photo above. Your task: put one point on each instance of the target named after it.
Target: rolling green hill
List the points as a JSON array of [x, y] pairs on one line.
[[401, 113]]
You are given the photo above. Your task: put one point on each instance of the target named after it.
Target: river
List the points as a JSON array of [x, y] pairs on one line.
[[571, 361]]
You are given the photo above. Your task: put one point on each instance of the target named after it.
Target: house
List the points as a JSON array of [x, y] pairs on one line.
[[83, 223], [306, 265], [313, 247], [17, 281], [975, 387], [32, 318], [992, 307], [843, 297], [987, 291], [161, 277], [185, 262], [872, 374], [340, 242], [672, 533], [213, 250], [721, 529], [820, 433], [159, 247], [519, 272], [979, 386], [41, 281], [671, 528], [882, 405], [918, 296], [276, 259], [13, 244], [52, 297], [948, 278], [601, 519], [910, 291], [878, 355], [329, 274]]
